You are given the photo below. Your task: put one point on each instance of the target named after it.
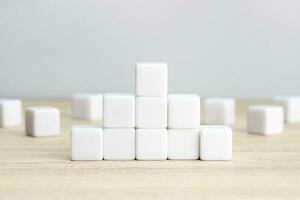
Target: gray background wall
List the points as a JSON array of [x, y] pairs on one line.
[[241, 48]]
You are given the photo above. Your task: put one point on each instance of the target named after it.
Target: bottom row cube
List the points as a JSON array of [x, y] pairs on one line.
[[119, 144], [86, 143], [183, 144], [151, 144], [95, 143], [216, 143]]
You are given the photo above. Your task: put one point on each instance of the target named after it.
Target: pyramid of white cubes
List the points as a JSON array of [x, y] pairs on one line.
[[149, 126]]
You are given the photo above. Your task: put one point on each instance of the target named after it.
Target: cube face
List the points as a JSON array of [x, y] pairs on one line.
[[42, 121], [151, 79], [87, 106], [274, 121], [219, 111], [119, 144], [118, 111], [151, 144], [265, 119], [256, 121], [291, 106], [183, 144], [86, 143], [151, 112], [216, 143], [293, 114], [10, 112], [183, 111]]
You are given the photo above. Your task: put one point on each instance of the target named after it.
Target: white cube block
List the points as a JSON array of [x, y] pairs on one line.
[[151, 112], [119, 143], [87, 106], [86, 142], [151, 79], [215, 143], [151, 144], [10, 112], [291, 106], [42, 121], [183, 144], [219, 111], [118, 111], [183, 111], [265, 119]]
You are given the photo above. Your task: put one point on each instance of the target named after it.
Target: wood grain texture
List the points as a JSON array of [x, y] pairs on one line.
[[39, 168]]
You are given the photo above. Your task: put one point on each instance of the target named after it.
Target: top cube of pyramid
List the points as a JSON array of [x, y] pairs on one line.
[[151, 79]]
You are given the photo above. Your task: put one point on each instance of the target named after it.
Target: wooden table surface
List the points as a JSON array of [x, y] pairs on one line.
[[40, 168]]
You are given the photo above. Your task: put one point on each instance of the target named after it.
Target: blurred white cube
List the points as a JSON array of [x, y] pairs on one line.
[[151, 79], [86, 142], [183, 144], [183, 111], [118, 110], [42, 121], [219, 111], [87, 106], [265, 119], [119, 143], [151, 144], [151, 112], [10, 112], [215, 142], [291, 106]]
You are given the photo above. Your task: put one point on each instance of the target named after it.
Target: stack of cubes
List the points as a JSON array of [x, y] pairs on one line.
[[183, 124], [149, 126], [151, 111], [119, 127]]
